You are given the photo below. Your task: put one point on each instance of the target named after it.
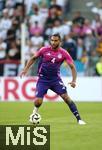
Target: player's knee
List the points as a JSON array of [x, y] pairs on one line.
[[66, 98], [38, 102]]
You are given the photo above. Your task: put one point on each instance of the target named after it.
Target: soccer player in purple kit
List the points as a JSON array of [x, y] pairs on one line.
[[52, 57]]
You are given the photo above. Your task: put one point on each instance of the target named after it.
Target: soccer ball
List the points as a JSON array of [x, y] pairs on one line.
[[35, 118]]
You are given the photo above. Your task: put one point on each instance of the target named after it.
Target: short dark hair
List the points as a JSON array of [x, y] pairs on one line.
[[56, 34]]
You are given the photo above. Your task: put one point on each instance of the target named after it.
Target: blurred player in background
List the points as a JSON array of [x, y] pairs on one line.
[[52, 57]]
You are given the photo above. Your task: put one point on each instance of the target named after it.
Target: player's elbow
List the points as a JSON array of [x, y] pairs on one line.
[[33, 58], [72, 66]]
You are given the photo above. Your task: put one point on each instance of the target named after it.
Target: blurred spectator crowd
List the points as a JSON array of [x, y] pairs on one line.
[[81, 37]]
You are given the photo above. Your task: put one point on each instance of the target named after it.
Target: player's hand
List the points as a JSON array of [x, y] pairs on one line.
[[22, 73], [72, 84]]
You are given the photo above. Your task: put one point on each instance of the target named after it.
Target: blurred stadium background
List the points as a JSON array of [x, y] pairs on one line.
[[25, 27]]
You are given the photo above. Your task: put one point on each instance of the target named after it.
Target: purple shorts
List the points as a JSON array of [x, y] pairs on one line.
[[55, 85]]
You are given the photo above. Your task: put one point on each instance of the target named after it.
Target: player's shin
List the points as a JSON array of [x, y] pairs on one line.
[[71, 105], [74, 110], [37, 104]]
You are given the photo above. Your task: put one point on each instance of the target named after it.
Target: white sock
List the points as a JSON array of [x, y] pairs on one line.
[[35, 110]]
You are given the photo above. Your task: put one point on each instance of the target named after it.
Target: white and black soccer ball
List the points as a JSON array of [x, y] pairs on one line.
[[35, 118]]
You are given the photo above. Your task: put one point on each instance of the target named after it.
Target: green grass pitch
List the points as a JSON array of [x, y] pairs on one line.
[[66, 134]]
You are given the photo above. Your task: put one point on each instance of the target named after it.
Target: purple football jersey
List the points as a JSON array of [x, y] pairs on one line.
[[51, 61]]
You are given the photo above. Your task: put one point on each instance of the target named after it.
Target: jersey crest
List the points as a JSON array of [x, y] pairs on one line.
[[48, 54], [59, 56]]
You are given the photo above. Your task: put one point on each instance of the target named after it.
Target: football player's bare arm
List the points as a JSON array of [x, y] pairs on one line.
[[28, 65], [74, 75]]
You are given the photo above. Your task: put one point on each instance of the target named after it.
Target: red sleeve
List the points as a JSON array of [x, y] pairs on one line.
[[67, 57]]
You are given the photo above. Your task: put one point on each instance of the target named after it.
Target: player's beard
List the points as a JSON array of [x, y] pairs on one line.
[[55, 47]]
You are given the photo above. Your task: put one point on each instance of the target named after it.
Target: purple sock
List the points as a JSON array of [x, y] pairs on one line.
[[74, 110]]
